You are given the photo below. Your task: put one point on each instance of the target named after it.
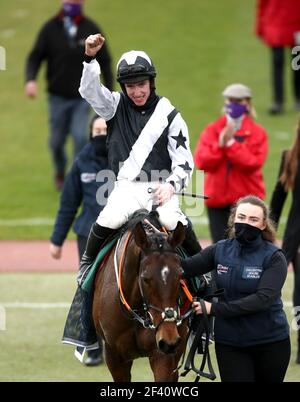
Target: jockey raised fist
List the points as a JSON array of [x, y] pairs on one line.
[[93, 44]]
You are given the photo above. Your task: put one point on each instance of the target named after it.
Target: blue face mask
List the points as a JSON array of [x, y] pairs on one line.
[[72, 10], [235, 110]]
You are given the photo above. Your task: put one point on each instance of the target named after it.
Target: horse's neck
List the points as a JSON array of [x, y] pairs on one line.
[[130, 273]]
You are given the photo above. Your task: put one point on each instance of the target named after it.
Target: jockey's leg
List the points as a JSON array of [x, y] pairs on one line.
[[98, 235], [120, 205]]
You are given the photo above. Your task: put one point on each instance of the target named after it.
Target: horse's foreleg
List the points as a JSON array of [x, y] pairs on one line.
[[119, 369], [164, 367]]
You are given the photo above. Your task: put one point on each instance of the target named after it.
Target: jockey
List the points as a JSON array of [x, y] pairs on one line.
[[148, 148]]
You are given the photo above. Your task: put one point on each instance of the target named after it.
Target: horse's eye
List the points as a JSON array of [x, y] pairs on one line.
[[145, 279]]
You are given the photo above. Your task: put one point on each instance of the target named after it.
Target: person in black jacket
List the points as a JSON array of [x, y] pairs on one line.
[[289, 180], [60, 43], [81, 187], [251, 330]]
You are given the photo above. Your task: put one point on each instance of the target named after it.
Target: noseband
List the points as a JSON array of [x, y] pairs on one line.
[[168, 314]]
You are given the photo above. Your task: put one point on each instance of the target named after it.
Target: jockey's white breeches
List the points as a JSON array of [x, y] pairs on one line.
[[127, 197]]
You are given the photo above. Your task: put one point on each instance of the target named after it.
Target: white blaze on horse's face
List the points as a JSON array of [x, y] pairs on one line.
[[164, 274]]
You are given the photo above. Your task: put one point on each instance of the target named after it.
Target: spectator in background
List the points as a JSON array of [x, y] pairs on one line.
[[278, 25], [289, 180], [60, 43], [231, 151], [81, 187]]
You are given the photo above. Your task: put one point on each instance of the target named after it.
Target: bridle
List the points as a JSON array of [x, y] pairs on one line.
[[168, 314]]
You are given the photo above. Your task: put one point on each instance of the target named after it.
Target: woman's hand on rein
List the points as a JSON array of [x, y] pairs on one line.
[[198, 309]]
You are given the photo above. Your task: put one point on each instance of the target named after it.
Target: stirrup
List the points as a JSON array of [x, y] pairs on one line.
[[79, 353]]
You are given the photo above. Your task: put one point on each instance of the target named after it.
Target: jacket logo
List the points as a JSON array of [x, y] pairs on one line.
[[88, 177], [252, 272], [221, 269]]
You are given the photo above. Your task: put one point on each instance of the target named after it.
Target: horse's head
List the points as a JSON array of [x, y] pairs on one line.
[[159, 282]]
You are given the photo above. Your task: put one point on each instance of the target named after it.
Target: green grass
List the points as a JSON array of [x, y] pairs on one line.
[[198, 48], [31, 348]]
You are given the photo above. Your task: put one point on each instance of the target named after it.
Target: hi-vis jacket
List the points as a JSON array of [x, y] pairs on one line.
[[145, 143]]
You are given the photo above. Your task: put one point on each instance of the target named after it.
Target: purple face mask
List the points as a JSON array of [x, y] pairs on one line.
[[235, 110], [71, 10]]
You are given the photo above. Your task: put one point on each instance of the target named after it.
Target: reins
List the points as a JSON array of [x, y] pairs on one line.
[[201, 339]]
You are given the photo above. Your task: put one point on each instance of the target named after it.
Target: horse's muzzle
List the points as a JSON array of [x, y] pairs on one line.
[[168, 347]]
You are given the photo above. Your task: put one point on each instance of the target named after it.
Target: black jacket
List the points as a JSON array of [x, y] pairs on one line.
[[64, 57], [252, 276], [81, 187], [291, 238]]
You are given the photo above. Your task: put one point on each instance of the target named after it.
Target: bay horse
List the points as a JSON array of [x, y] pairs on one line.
[[135, 305]]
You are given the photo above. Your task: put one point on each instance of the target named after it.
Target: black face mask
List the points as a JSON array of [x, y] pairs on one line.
[[245, 233], [100, 145]]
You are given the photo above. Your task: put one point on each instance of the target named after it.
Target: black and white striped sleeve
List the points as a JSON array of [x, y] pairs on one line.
[[102, 100], [180, 153]]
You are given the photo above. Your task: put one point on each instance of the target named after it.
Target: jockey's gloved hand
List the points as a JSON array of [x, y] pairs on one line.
[[163, 193]]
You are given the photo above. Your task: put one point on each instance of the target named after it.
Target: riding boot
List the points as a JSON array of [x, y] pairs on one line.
[[191, 243], [98, 235], [95, 357]]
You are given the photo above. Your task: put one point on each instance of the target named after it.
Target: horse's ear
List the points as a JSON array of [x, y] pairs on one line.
[[178, 235], [140, 236]]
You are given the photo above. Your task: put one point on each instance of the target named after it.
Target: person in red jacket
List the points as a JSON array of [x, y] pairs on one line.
[[231, 151], [278, 25]]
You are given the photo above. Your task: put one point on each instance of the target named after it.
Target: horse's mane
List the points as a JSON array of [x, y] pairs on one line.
[[140, 215], [158, 237]]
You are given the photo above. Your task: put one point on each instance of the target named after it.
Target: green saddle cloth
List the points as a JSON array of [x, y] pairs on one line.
[[88, 283]]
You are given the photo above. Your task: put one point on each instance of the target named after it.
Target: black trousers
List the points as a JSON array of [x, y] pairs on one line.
[[277, 57], [218, 219], [259, 363]]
